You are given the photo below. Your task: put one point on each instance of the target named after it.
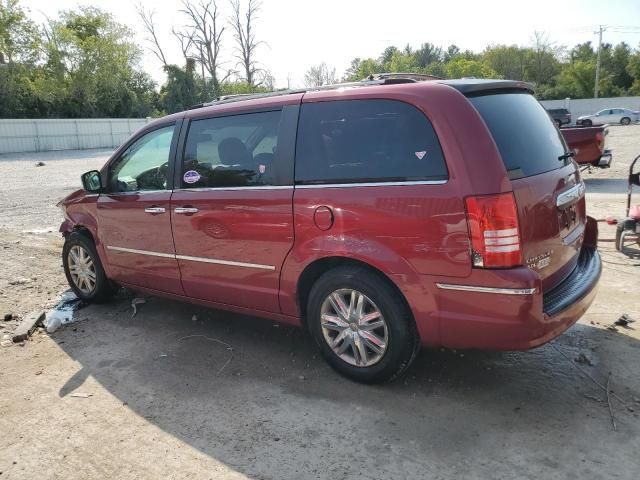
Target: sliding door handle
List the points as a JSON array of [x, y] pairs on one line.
[[186, 210], [154, 210]]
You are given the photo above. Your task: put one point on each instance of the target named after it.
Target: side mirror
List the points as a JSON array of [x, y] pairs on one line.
[[92, 181]]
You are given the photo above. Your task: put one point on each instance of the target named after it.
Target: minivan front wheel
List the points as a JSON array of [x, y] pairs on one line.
[[364, 330], [83, 269]]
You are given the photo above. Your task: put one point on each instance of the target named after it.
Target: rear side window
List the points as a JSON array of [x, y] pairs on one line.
[[528, 141], [232, 151], [353, 141]]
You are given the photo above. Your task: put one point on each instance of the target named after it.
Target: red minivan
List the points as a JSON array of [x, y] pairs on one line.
[[380, 215]]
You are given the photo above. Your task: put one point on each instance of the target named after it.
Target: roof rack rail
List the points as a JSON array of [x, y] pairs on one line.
[[376, 79]]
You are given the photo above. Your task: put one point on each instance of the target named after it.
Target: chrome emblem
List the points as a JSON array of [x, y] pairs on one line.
[[540, 261]]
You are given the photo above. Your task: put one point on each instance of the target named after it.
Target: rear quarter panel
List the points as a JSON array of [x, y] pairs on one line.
[[405, 231]]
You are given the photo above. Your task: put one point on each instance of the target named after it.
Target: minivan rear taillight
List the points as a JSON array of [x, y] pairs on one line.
[[494, 231]]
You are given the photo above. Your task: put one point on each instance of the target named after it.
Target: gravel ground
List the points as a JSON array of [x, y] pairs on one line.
[[165, 406]]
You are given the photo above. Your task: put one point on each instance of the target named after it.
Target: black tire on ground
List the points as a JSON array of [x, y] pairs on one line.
[[625, 121], [104, 288], [402, 341], [587, 123]]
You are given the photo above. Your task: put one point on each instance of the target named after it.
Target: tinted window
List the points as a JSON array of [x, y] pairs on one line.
[[234, 151], [144, 165], [366, 140], [528, 141]]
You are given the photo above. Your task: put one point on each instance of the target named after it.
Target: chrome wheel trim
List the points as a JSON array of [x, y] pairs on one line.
[[354, 328], [82, 269]]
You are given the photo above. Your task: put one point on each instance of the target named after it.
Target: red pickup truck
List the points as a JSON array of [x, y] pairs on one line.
[[589, 145]]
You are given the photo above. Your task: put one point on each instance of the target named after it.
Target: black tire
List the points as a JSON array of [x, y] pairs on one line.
[[402, 339], [103, 289], [625, 121], [587, 123]]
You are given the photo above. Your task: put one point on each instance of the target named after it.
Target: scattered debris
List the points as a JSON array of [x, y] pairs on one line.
[[163, 355], [229, 347], [613, 419], [28, 326], [612, 328], [591, 397], [20, 281], [588, 375], [134, 304], [8, 317], [40, 164], [81, 395], [194, 318], [301, 377], [624, 320], [584, 360], [6, 343], [62, 313]]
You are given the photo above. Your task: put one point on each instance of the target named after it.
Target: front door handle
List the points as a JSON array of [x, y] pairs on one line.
[[154, 210], [186, 210]]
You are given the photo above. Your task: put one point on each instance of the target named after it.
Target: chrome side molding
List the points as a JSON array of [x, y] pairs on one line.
[[192, 259], [474, 288]]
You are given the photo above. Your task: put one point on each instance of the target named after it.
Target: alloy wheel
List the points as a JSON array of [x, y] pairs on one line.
[[82, 269], [354, 327]]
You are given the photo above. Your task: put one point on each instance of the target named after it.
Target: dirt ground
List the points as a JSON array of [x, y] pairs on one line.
[[167, 395]]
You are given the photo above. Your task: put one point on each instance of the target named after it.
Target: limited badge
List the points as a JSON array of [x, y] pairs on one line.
[[421, 154], [191, 176]]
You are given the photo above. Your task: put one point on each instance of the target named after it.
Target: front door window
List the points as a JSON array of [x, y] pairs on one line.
[[144, 165]]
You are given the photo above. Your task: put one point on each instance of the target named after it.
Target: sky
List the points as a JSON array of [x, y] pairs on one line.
[[298, 34]]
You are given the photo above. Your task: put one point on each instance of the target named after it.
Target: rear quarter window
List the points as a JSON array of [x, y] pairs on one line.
[[528, 141], [354, 141]]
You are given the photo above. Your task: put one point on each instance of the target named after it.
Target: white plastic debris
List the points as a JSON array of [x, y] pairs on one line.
[[62, 313]]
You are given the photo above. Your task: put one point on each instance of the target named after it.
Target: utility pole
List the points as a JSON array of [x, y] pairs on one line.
[[601, 28]]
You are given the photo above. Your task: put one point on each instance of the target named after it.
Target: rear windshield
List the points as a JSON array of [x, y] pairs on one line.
[[527, 139]]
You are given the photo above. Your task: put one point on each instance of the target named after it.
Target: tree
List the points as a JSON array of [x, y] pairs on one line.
[[146, 15], [319, 75], [428, 54], [542, 64], [460, 67], [205, 31], [508, 61], [246, 43]]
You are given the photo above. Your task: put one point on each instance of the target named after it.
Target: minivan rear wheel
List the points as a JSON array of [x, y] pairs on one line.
[[84, 271], [362, 326]]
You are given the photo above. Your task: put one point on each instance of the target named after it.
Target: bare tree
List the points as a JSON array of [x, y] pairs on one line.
[[319, 75], [205, 34], [246, 43], [146, 15]]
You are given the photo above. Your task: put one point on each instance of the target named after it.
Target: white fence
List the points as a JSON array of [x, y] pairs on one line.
[[41, 135], [588, 106]]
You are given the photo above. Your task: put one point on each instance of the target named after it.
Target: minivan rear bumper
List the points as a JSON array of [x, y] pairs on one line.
[[512, 318]]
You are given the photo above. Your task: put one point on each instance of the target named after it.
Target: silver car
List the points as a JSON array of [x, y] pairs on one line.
[[622, 116]]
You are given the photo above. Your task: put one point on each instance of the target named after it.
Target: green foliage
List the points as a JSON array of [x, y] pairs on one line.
[[461, 67], [85, 64], [554, 73]]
